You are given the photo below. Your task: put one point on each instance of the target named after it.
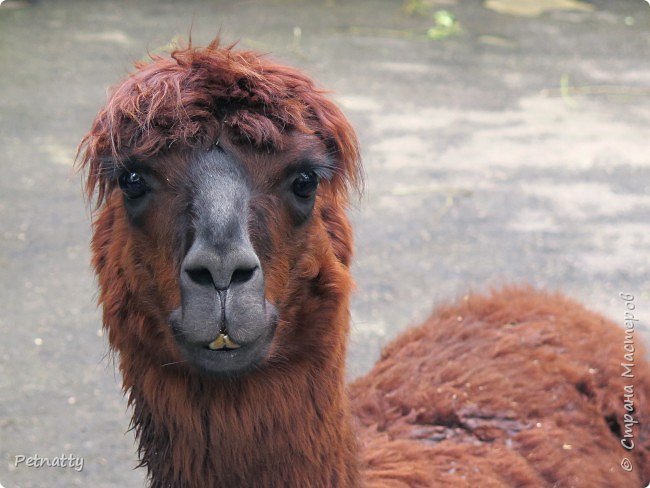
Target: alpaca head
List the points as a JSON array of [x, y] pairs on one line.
[[221, 181]]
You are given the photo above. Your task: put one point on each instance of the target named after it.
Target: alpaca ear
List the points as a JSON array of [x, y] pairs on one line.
[[91, 164], [342, 144]]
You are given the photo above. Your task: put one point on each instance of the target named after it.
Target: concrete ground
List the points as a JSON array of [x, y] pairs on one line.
[[512, 149]]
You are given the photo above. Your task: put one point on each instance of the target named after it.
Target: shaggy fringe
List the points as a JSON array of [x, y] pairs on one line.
[[186, 101]]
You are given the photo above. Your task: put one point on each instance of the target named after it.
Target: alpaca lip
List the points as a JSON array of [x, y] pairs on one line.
[[223, 343], [214, 351]]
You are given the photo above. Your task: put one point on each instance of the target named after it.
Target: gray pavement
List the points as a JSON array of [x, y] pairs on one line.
[[514, 150]]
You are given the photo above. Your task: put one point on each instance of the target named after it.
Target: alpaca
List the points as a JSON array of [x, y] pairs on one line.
[[222, 251]]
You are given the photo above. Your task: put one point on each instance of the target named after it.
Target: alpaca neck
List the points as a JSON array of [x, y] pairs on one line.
[[286, 425]]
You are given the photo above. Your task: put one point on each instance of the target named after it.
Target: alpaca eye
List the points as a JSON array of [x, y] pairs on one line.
[[132, 185], [305, 184]]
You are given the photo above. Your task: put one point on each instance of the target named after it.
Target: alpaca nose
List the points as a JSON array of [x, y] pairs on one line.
[[221, 270], [224, 324]]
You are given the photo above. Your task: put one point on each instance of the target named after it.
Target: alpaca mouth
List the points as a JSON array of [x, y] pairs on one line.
[[223, 343], [239, 346]]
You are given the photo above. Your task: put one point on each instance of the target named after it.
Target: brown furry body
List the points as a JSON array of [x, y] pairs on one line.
[[516, 389]]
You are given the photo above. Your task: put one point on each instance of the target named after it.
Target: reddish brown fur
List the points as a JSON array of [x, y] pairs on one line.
[[457, 400], [520, 387]]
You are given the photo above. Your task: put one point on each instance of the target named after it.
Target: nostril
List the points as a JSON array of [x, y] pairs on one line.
[[242, 275], [220, 274], [200, 276]]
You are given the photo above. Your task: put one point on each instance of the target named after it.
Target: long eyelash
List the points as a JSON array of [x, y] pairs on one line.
[[324, 172], [335, 169], [110, 169]]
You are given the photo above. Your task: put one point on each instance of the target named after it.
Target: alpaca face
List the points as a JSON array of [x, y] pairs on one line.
[[234, 214]]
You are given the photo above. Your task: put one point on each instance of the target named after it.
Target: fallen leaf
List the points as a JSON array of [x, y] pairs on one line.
[[445, 25]]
